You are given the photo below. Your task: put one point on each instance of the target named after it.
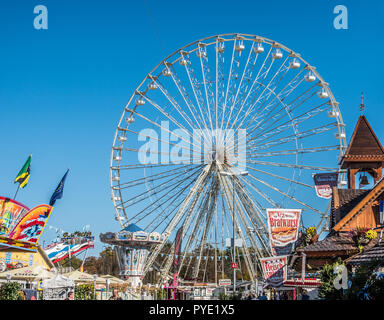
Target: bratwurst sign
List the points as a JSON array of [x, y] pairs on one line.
[[283, 225]]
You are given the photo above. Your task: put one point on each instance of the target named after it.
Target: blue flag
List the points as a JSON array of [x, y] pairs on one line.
[[58, 194]]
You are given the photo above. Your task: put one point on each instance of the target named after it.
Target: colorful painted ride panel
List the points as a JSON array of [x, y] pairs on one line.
[[11, 212], [59, 251]]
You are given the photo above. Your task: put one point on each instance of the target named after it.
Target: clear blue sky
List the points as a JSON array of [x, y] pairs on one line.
[[62, 90]]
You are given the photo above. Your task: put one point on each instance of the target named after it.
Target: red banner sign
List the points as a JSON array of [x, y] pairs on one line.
[[324, 182], [275, 270], [283, 225]]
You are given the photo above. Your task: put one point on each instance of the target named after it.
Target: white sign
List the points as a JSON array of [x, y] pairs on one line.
[[238, 242], [225, 282]]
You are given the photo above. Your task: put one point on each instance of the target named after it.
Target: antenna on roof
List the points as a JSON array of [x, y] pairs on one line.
[[362, 106]]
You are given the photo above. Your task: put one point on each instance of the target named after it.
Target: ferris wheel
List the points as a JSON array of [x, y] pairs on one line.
[[216, 133]]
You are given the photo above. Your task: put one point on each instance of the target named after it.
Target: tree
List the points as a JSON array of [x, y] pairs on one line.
[[10, 291], [327, 289], [75, 262], [84, 292], [365, 282]]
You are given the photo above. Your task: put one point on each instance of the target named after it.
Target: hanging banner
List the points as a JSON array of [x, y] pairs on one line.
[[275, 270], [283, 226], [324, 182]]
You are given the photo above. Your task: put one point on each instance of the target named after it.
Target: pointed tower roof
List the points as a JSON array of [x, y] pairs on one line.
[[364, 145]]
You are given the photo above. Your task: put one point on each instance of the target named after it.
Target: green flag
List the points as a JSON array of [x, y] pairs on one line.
[[23, 175]]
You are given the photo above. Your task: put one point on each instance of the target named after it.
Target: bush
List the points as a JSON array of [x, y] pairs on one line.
[[365, 282], [327, 289], [84, 292]]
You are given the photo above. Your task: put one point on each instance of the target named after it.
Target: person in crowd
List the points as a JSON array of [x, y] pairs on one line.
[[70, 296], [263, 296], [22, 295], [305, 295]]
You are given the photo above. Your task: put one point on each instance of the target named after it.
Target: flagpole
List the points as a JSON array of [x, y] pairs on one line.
[[17, 190]]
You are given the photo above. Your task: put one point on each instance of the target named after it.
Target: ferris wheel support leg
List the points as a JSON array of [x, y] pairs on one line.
[[236, 222], [212, 205], [197, 187]]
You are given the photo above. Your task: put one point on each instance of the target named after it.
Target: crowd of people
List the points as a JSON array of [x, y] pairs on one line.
[[275, 296]]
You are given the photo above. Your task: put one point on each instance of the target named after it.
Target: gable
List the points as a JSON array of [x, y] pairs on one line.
[[364, 143]]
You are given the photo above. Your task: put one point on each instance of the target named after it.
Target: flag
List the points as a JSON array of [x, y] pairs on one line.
[[23, 175], [58, 194]]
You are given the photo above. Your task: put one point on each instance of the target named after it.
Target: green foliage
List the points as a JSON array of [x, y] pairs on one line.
[[327, 289], [236, 296], [10, 291], [75, 262], [84, 292], [365, 277], [223, 296]]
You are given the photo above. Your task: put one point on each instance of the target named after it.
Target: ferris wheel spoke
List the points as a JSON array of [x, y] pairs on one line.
[[293, 151], [144, 166], [234, 88], [196, 89], [298, 166], [207, 85], [168, 197], [168, 116], [227, 86], [287, 108], [152, 138], [263, 144], [155, 177], [192, 229], [187, 100], [142, 196], [173, 102], [176, 218], [280, 96], [164, 128], [263, 136], [236, 221], [262, 194], [191, 209], [285, 194], [267, 87], [258, 224], [281, 178], [211, 203], [293, 121], [264, 75]]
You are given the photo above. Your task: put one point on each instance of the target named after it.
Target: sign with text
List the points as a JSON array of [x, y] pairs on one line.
[[275, 270], [324, 182], [225, 282], [283, 226]]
